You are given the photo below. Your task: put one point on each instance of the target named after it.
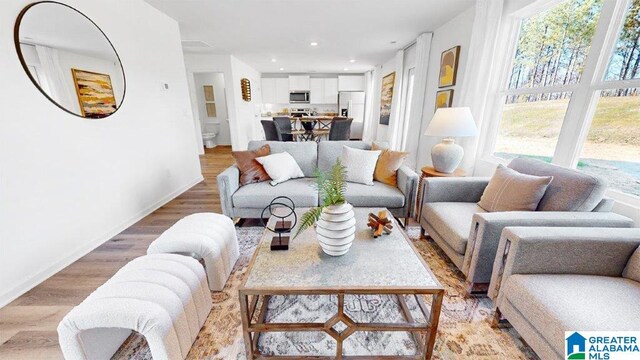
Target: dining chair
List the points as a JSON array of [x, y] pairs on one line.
[[340, 128], [269, 128], [283, 128]]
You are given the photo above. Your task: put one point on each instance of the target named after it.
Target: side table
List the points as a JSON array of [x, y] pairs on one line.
[[429, 171]]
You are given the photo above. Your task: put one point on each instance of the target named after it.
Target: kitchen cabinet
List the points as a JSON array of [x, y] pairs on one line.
[[316, 91], [268, 90], [299, 82], [351, 83], [282, 90], [331, 90], [324, 90]]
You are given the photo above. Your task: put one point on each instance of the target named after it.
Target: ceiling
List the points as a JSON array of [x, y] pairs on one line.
[[257, 31], [71, 31]]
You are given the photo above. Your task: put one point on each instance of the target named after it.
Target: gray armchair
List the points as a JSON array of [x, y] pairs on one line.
[[469, 235], [550, 280]]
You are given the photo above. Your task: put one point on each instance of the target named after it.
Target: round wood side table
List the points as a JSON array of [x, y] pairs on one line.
[[429, 171]]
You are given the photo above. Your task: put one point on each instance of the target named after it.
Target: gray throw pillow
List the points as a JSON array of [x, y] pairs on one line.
[[632, 270], [509, 190]]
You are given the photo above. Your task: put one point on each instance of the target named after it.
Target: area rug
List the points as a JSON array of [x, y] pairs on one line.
[[464, 331]]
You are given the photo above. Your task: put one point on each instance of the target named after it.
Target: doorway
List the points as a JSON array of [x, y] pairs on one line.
[[212, 108]]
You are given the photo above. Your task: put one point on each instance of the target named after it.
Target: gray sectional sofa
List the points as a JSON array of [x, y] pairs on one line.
[[550, 280], [249, 200], [469, 235]]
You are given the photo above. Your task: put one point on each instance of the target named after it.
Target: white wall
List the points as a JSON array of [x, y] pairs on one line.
[[244, 117], [248, 113], [220, 122], [456, 31], [68, 184]]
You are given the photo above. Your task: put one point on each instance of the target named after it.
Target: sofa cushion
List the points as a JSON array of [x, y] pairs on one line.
[[632, 270], [570, 190], [359, 164], [259, 195], [330, 151], [509, 190], [305, 153], [452, 220], [554, 304], [251, 171], [376, 195]]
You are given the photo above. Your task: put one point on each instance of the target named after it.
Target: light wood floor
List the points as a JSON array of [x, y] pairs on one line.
[[28, 324]]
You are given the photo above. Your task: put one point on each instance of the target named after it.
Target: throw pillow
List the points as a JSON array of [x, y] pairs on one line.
[[388, 164], [250, 170], [632, 270], [280, 167], [509, 190], [360, 164]]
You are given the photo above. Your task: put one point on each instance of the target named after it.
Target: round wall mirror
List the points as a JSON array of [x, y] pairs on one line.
[[69, 59]]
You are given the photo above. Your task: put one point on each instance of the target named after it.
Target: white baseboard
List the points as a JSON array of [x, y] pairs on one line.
[[43, 275]]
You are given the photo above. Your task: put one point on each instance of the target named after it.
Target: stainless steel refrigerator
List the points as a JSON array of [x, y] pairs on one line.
[[351, 104]]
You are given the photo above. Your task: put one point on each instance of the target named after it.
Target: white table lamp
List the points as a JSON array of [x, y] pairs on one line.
[[450, 123]]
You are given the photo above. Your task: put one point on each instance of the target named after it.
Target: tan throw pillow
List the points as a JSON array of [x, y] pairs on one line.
[[388, 164], [250, 170], [632, 270], [509, 190]]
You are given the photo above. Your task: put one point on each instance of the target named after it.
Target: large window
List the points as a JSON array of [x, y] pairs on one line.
[[572, 92]]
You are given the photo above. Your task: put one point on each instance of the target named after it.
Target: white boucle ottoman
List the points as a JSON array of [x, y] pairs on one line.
[[207, 236], [163, 297]]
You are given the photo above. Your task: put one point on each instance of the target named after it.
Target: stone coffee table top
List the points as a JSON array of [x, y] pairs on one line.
[[390, 261]]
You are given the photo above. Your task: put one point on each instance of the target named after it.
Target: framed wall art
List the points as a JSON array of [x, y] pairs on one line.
[[449, 67], [386, 97], [95, 93]]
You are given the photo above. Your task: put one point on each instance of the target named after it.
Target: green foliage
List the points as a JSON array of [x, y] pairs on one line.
[[308, 219], [331, 187]]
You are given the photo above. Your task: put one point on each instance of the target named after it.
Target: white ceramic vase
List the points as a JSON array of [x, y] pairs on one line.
[[336, 229]]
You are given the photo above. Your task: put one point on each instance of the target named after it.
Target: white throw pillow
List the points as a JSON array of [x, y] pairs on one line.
[[360, 164], [280, 167]]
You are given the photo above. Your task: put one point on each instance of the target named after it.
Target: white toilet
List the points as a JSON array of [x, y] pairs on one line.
[[209, 136]]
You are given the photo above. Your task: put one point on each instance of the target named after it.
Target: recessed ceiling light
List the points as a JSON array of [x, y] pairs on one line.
[[346, 69], [273, 60], [352, 61], [281, 69], [313, 43]]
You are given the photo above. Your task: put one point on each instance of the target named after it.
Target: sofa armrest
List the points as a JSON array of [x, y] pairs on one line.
[[228, 183], [408, 184], [486, 229], [452, 189], [562, 250]]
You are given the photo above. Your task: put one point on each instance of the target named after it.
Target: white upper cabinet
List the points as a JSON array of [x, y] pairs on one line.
[[282, 90], [324, 91], [316, 91], [299, 82], [351, 83], [269, 90], [331, 91]]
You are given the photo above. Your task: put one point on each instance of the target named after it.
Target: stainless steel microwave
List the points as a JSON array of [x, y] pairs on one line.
[[299, 97]]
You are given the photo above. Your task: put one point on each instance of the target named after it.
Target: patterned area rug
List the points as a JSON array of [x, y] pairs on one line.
[[464, 331]]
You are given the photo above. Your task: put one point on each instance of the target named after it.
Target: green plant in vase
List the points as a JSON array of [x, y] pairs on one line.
[[335, 217]]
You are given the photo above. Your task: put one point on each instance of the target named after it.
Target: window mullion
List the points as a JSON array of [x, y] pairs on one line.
[[583, 100]]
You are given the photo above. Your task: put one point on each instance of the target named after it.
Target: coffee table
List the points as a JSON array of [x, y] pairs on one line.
[[388, 266]]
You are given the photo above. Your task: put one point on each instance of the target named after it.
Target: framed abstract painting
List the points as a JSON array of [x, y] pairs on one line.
[[386, 97], [95, 93], [449, 67], [444, 98]]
